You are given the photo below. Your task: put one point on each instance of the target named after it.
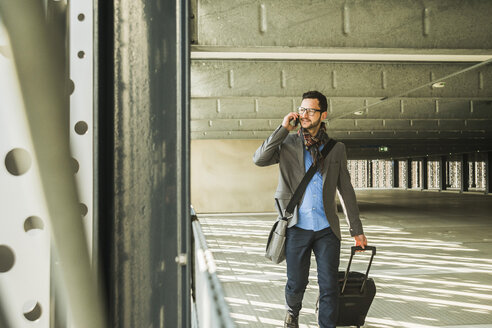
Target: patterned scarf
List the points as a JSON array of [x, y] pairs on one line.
[[312, 143]]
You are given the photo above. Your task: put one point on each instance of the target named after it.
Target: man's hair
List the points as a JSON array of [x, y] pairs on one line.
[[323, 104]]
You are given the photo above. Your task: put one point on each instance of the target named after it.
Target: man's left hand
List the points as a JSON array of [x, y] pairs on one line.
[[360, 240]]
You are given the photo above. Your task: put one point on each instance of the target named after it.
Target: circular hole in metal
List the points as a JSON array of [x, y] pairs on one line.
[[81, 127], [71, 87], [81, 17], [32, 310], [7, 258], [75, 165], [81, 54], [18, 161], [33, 225], [83, 209]]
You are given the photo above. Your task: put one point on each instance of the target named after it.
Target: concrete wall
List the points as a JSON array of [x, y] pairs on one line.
[[225, 179]]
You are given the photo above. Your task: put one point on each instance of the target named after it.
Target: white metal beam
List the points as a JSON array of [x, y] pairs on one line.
[[339, 54], [81, 106]]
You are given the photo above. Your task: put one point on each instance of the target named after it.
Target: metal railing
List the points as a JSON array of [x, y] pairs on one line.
[[209, 308]]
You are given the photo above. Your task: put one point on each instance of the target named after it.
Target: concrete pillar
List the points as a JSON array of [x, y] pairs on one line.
[[396, 174], [488, 178], [473, 183], [409, 173], [443, 172], [369, 174], [465, 178], [425, 178], [448, 174]]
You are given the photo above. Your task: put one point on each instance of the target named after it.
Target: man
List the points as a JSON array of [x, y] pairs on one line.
[[314, 225]]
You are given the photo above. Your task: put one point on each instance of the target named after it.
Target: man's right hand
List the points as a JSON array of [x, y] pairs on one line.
[[361, 240], [289, 117]]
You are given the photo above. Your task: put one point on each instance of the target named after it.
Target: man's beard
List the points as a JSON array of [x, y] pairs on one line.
[[313, 125]]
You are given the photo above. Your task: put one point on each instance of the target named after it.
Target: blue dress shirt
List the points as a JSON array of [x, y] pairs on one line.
[[312, 212]]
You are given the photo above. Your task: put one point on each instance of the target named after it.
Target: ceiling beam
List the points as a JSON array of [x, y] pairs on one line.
[[339, 54], [430, 24], [379, 80]]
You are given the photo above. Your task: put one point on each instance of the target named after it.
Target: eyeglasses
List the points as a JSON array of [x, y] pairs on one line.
[[310, 111]]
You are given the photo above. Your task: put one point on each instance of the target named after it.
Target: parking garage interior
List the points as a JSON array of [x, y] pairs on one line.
[[127, 132]]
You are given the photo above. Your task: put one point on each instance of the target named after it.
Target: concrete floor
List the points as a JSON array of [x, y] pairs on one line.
[[433, 267]]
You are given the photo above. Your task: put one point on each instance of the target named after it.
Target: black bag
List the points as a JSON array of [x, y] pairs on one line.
[[275, 247], [357, 292]]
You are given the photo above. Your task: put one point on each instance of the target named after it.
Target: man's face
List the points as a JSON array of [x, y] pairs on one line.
[[311, 122]]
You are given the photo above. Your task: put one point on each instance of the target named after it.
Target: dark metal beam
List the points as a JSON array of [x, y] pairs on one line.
[[184, 207], [146, 196], [104, 160]]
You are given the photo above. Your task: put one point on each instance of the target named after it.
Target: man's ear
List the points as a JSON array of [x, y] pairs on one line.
[[324, 115]]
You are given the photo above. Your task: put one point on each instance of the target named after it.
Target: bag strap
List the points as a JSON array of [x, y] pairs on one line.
[[307, 177]]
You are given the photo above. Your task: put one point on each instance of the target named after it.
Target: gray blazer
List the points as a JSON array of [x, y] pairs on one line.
[[287, 150]]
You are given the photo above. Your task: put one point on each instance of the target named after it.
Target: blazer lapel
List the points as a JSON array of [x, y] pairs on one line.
[[300, 153]]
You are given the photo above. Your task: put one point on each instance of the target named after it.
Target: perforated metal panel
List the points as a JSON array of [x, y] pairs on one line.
[[25, 242], [24, 223], [81, 106]]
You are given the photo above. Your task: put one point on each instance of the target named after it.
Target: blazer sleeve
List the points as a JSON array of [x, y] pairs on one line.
[[347, 197], [269, 152]]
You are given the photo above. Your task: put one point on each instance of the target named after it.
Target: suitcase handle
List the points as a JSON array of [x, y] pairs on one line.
[[359, 248], [352, 253]]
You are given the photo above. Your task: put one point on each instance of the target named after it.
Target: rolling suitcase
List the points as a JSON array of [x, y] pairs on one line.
[[357, 292]]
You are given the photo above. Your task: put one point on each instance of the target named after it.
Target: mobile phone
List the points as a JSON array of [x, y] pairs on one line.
[[295, 122]]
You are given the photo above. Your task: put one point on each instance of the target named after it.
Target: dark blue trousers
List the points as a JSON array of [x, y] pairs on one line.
[[326, 248]]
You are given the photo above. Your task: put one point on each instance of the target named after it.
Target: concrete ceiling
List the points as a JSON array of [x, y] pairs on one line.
[[410, 75]]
